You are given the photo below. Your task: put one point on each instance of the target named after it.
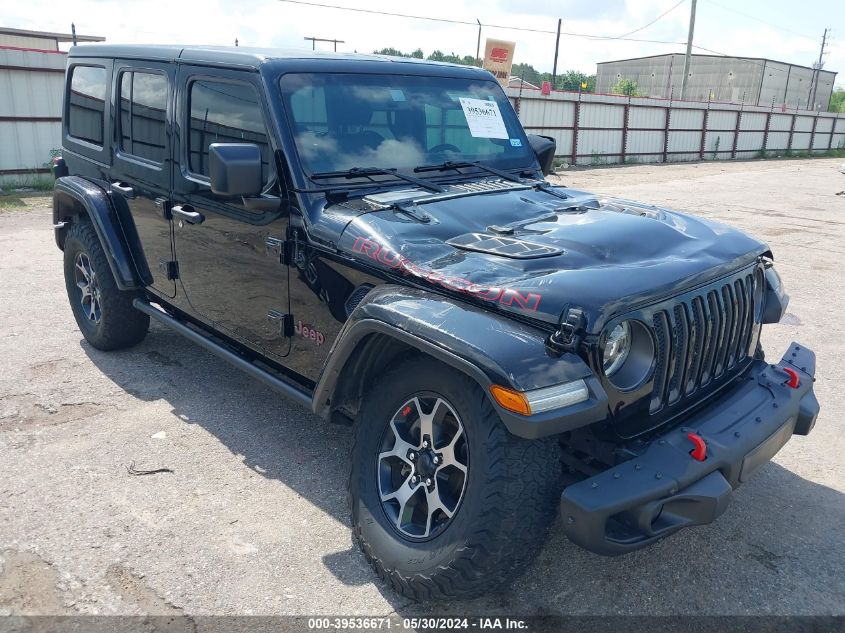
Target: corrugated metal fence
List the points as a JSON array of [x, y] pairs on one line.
[[603, 129], [30, 110]]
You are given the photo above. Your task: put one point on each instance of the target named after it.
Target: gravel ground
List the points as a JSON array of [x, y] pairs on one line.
[[253, 520]]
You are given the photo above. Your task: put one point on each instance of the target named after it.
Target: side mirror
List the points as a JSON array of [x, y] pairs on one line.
[[235, 169], [544, 148]]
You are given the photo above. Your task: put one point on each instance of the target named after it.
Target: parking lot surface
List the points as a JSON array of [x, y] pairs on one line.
[[253, 518]]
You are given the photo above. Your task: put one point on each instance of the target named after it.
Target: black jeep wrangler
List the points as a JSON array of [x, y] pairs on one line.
[[375, 238]]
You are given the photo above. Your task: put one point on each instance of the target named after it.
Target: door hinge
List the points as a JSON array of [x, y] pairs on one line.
[[285, 322], [170, 269], [293, 253], [275, 248], [164, 205], [283, 250]]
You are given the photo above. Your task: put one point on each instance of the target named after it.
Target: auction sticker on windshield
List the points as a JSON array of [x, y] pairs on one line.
[[484, 118]]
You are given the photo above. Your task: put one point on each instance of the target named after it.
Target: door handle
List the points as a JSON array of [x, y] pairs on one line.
[[123, 189], [186, 212]]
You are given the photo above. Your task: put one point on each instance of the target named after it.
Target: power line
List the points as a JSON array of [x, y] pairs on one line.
[[475, 24], [396, 15], [746, 59], [752, 17], [645, 26]]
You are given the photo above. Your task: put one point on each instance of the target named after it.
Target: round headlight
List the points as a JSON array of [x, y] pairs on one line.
[[628, 354], [616, 348]]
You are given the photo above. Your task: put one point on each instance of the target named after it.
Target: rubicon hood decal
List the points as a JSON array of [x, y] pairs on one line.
[[383, 254], [605, 256]]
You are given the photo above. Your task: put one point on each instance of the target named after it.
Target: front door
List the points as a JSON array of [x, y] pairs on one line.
[[228, 255], [141, 168]]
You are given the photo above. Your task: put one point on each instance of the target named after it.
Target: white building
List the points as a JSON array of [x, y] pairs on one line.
[[32, 68], [748, 80]]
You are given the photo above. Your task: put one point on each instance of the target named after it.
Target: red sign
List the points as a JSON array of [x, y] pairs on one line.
[[499, 55]]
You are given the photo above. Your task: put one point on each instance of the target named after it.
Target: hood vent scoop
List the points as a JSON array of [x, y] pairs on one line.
[[502, 246], [633, 208], [485, 185]]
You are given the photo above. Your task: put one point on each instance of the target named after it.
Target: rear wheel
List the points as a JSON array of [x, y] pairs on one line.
[[445, 502], [103, 312]]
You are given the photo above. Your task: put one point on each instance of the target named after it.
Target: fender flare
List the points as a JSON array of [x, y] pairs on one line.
[[74, 195], [487, 347]]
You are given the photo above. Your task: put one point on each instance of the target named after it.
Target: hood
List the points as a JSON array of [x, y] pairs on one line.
[[536, 251]]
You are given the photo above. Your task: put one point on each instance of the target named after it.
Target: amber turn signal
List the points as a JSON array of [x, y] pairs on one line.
[[511, 400]]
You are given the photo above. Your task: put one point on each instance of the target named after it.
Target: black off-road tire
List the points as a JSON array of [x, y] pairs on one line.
[[119, 325], [510, 499]]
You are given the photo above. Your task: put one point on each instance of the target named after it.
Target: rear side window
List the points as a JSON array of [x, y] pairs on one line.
[[224, 113], [87, 104], [143, 104]]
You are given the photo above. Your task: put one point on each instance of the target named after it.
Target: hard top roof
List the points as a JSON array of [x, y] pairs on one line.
[[243, 56]]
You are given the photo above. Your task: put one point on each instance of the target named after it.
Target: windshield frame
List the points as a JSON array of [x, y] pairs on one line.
[[409, 71]]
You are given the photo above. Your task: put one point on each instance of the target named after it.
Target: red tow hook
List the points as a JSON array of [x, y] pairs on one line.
[[793, 378], [699, 453]]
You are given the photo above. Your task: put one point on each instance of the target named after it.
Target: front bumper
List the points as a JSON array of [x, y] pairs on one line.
[[665, 489]]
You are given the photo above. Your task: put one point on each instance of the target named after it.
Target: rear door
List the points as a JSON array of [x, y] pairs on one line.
[[228, 255], [141, 168]]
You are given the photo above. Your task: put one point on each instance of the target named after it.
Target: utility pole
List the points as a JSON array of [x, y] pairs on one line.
[[73, 32], [814, 83], [557, 46], [478, 45], [689, 51], [314, 41]]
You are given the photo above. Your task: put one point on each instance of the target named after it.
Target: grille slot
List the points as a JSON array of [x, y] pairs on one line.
[[703, 337], [356, 297]]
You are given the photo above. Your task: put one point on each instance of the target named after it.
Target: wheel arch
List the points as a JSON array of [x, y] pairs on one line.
[[75, 199], [377, 345], [394, 320]]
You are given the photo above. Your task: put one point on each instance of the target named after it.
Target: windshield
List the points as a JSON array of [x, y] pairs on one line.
[[346, 121]]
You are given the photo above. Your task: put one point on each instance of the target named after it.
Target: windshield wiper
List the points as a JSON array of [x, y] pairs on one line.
[[368, 172], [451, 164]]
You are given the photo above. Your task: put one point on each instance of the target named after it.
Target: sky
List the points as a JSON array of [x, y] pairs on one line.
[[784, 30]]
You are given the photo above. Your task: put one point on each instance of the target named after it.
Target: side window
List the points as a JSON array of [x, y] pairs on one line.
[[143, 104], [224, 113], [87, 104]]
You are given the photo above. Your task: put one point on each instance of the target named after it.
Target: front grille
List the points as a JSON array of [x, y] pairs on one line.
[[704, 337]]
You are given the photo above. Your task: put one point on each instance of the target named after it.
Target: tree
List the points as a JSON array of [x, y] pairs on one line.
[[393, 52], [626, 87], [837, 101], [531, 74], [436, 56], [574, 79], [452, 58], [568, 80]]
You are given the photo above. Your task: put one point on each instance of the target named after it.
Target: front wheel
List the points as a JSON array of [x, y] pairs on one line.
[[445, 502], [104, 313]]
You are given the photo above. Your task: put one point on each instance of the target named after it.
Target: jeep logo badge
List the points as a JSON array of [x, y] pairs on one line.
[[306, 331]]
